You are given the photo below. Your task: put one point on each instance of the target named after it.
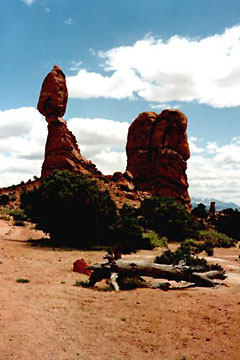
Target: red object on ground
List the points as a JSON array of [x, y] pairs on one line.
[[81, 266]]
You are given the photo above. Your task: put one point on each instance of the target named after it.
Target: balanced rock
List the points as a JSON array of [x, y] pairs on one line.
[[157, 154], [61, 151], [157, 150], [54, 95]]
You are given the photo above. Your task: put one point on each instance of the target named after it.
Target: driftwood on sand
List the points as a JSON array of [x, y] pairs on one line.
[[117, 270]]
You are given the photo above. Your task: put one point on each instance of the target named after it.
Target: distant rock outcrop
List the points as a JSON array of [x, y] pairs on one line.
[[157, 151]]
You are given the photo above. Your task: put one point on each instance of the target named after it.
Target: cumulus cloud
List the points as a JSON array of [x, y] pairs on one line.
[[23, 134], [102, 141], [179, 69], [214, 171], [120, 85]]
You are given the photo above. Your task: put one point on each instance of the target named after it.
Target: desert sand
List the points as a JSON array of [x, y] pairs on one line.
[[50, 318]]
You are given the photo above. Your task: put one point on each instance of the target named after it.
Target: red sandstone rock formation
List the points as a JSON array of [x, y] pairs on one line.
[[61, 151], [54, 95], [212, 209], [157, 151]]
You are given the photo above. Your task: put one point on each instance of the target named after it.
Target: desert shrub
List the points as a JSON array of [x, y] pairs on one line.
[[155, 239], [19, 223], [174, 257], [4, 214], [200, 211], [72, 209], [82, 283], [228, 222], [128, 283], [76, 213], [206, 241], [23, 281], [127, 233], [216, 239], [168, 218], [191, 246], [18, 215], [4, 199]]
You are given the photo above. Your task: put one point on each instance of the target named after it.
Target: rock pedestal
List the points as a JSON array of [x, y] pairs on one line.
[[157, 153], [61, 151]]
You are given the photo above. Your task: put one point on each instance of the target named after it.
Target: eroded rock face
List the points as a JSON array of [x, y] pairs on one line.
[[61, 151], [157, 151], [54, 95]]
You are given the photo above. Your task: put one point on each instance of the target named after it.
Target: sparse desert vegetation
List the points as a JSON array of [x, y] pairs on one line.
[[60, 320]]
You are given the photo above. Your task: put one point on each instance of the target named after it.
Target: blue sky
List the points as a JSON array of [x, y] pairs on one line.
[[122, 58]]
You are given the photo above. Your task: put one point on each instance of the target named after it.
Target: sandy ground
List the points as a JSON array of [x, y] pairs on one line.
[[49, 318]]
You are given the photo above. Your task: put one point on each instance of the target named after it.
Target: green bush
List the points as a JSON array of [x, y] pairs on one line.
[[4, 214], [128, 283], [18, 215], [19, 223], [168, 218], [72, 209], [154, 239], [200, 211], [216, 239], [127, 233], [23, 281], [228, 222], [82, 283], [174, 257], [76, 213], [4, 199]]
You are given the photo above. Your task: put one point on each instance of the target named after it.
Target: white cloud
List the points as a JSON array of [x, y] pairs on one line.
[[195, 148], [102, 141], [179, 69], [29, 2], [163, 106], [213, 170], [86, 84], [23, 135]]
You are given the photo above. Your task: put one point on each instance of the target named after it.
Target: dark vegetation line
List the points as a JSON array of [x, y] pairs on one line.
[[77, 214]]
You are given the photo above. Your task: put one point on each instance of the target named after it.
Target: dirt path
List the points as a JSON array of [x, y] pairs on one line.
[[49, 318]]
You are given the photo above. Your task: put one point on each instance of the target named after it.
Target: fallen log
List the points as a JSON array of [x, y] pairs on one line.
[[117, 270]]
